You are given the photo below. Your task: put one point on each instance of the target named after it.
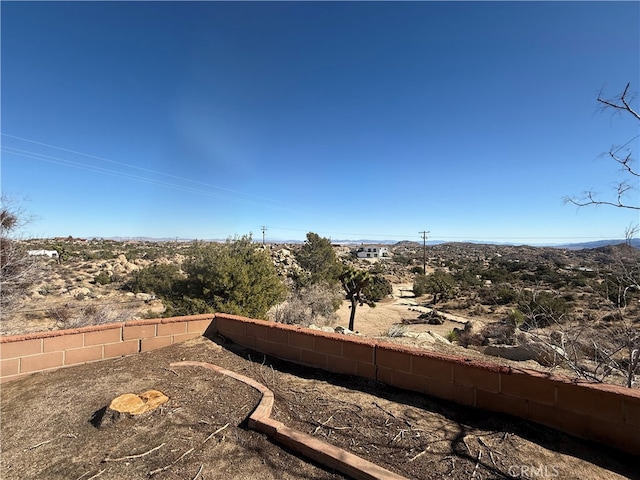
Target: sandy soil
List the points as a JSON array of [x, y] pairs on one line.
[[48, 430]]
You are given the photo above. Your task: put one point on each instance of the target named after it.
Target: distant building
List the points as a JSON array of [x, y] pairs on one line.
[[372, 252], [43, 253]]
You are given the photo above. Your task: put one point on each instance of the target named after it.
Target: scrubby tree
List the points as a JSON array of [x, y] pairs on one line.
[[17, 271], [378, 288], [318, 258], [440, 284], [234, 277], [355, 282], [161, 279]]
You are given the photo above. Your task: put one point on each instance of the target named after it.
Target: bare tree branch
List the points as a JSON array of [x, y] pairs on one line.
[[621, 103]]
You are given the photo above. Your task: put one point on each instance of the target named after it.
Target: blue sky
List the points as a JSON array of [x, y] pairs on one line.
[[354, 120]]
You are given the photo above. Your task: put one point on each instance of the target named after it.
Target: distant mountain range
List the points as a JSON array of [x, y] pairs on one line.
[[635, 242]]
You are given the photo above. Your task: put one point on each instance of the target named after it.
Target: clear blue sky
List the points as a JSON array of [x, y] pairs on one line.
[[350, 119]]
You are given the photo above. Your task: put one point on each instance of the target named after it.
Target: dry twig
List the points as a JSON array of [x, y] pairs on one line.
[[167, 467], [97, 474], [214, 433], [199, 472], [475, 469], [33, 447], [420, 454], [130, 457]]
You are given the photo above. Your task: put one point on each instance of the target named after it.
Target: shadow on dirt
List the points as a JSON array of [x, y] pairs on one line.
[[468, 421]]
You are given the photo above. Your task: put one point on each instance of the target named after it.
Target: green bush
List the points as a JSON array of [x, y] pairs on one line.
[[103, 278], [378, 288], [163, 280], [234, 277]]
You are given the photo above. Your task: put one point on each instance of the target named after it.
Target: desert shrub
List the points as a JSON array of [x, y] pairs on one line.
[[234, 277], [452, 336], [378, 288], [505, 295], [316, 304], [103, 278], [159, 279], [515, 318], [71, 315], [419, 285], [440, 283], [318, 259], [417, 270], [467, 279], [542, 309], [396, 330]]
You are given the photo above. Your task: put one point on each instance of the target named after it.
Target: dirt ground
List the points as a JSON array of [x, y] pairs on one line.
[[47, 431]]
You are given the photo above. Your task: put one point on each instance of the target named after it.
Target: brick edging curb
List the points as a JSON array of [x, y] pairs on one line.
[[317, 450]]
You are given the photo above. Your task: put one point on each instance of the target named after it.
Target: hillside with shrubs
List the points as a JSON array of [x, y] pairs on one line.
[[580, 307]]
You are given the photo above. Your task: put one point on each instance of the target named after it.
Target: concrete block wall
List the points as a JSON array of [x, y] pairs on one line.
[[604, 413], [24, 354]]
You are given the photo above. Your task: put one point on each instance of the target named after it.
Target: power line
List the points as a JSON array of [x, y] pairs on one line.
[[231, 193]]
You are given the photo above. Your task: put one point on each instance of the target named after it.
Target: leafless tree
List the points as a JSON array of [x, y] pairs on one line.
[[595, 349], [17, 271], [621, 155], [630, 232]]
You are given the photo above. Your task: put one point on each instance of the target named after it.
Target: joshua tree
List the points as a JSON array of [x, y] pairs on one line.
[[354, 282]]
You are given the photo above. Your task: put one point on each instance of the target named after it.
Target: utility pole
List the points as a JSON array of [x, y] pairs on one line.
[[424, 251], [264, 229]]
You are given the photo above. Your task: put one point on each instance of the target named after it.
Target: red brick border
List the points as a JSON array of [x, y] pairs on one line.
[[311, 447]]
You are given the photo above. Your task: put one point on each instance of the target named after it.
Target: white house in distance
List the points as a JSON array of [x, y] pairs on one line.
[[43, 253], [372, 251]]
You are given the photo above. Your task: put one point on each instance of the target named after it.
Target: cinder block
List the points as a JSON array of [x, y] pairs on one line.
[[395, 359], [632, 411], [301, 340], [501, 403], [257, 331], [279, 350], [121, 348], [384, 375], [100, 337], [472, 376], [367, 370], [249, 342], [44, 361], [432, 367], [229, 327], [83, 355], [183, 337], [62, 342], [560, 419], [276, 334], [175, 328], [410, 381], [342, 365], [20, 348], [10, 366], [531, 387], [449, 391], [313, 359], [362, 352], [591, 402], [147, 344], [624, 437], [330, 346], [198, 326], [138, 331]]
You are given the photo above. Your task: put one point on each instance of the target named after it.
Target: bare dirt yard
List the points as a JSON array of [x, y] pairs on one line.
[[48, 425]]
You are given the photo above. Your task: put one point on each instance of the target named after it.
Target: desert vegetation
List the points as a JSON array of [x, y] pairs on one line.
[[578, 309]]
